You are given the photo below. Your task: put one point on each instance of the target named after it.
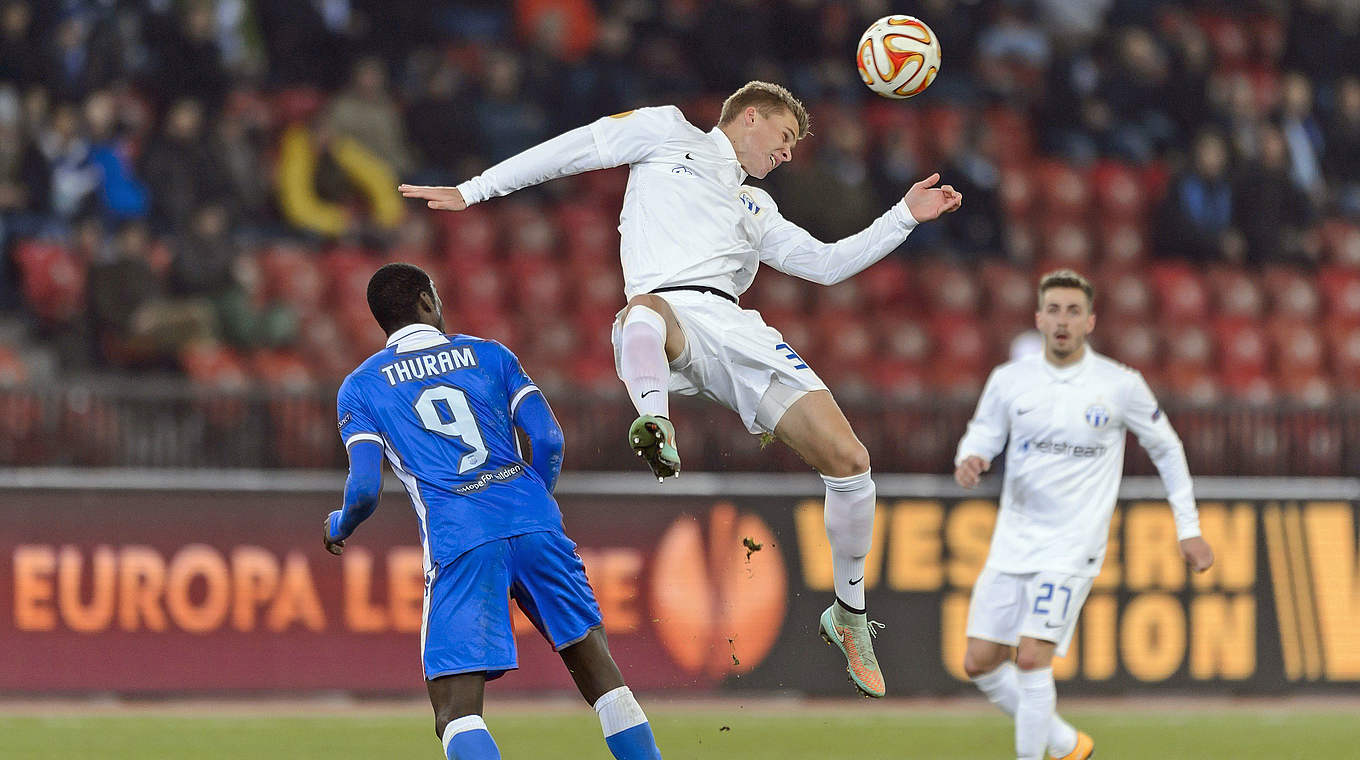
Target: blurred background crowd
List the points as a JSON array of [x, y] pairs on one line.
[[193, 194]]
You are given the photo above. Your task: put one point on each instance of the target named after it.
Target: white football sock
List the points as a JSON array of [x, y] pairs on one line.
[[849, 518], [642, 361], [1034, 712], [1003, 690]]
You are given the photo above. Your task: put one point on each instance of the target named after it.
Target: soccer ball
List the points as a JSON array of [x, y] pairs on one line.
[[898, 56]]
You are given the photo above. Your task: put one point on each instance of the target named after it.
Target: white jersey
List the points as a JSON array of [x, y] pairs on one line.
[[687, 218], [1066, 427]]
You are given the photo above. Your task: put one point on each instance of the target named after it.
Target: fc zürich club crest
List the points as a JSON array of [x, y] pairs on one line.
[[1097, 416]]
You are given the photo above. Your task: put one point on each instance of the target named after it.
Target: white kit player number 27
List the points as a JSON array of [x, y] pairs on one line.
[[461, 425]]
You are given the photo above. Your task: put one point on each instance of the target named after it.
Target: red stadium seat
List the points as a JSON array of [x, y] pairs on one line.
[[283, 370], [542, 292], [1182, 295], [347, 271], [1126, 296], [318, 341], [213, 365], [1341, 293], [483, 289], [1309, 387], [1297, 346], [1119, 191], [802, 334], [955, 382], [899, 381], [297, 104], [776, 291], [53, 280], [469, 235], [1009, 134], [291, 275], [1242, 346], [1066, 244], [1292, 293], [885, 286], [1249, 385], [13, 368], [1010, 293], [1018, 192], [1192, 384], [1188, 344], [1136, 345], [1341, 243], [1343, 346], [905, 340], [960, 342], [1123, 245], [850, 343], [1066, 190], [949, 289], [1236, 294]]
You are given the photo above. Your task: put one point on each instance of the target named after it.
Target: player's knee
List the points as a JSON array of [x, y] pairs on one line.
[[443, 717], [1030, 660], [847, 459], [974, 665]]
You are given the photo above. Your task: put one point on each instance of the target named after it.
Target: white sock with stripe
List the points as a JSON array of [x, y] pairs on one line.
[[642, 361]]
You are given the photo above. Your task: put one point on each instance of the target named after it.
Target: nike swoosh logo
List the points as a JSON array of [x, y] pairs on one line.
[[1050, 625], [688, 156], [854, 582], [644, 393], [1023, 412]]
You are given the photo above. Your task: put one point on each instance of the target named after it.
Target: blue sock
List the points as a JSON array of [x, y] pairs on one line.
[[626, 729], [468, 739]]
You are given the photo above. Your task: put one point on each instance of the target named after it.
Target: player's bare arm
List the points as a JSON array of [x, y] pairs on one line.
[[1197, 553], [927, 202], [437, 198], [969, 472]]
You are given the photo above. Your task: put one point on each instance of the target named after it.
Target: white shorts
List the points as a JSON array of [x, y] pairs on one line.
[[734, 358], [1043, 605]]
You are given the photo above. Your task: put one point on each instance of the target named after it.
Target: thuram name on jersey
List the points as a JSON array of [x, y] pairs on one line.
[[429, 365]]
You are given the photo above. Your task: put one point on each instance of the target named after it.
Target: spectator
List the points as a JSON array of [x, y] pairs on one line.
[[190, 60], [239, 143], [21, 55], [1303, 134], [124, 196], [1197, 219], [365, 113], [1268, 209], [316, 175], [74, 176], [25, 178], [441, 124], [1343, 145], [507, 123], [181, 167]]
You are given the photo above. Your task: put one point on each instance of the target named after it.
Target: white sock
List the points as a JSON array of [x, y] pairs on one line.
[[642, 361], [849, 518], [619, 711], [1034, 712], [1003, 690]]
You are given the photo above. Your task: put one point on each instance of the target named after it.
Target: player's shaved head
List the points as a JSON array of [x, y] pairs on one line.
[[394, 295]]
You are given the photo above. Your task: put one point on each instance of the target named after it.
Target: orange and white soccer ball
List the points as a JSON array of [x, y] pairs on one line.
[[898, 56]]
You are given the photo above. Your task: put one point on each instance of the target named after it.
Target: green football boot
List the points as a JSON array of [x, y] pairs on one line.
[[653, 438], [853, 634]]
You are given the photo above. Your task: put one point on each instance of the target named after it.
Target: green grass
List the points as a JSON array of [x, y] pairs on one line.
[[804, 732]]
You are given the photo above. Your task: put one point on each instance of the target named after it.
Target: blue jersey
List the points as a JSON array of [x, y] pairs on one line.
[[443, 407]]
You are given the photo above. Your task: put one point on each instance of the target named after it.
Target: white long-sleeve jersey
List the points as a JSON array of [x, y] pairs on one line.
[[1066, 428], [687, 218]]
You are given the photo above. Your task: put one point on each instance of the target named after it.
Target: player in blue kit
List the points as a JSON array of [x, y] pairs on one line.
[[446, 411]]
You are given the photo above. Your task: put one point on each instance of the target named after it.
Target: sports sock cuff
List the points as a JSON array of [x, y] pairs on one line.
[[994, 676], [646, 316], [852, 483], [1034, 678], [465, 723], [619, 711]]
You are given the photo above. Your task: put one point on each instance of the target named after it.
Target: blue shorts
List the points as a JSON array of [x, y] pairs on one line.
[[467, 626]]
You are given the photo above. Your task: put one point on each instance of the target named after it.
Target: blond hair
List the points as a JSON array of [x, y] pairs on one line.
[[1066, 278], [767, 99]]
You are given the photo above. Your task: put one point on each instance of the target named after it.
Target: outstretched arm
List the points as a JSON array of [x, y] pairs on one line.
[[363, 489], [793, 250], [624, 138]]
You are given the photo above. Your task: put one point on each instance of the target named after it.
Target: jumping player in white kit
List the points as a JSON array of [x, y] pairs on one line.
[[692, 238], [1065, 413]]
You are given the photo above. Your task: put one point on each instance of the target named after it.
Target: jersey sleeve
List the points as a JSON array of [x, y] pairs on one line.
[[1148, 422], [356, 423], [518, 385], [625, 138], [990, 427], [793, 250]]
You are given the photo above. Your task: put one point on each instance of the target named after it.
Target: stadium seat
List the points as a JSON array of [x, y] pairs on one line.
[[1188, 344], [282, 370], [1065, 189], [1126, 297], [304, 432], [1343, 346], [1248, 385], [1191, 384], [899, 381], [1017, 192], [905, 340], [468, 236], [851, 344], [1242, 346], [13, 369], [1227, 37], [1341, 243], [1236, 293], [1131, 343], [297, 104], [1297, 346], [347, 270], [213, 365], [960, 342], [1309, 387], [1066, 244], [1010, 293], [1292, 293], [885, 286], [956, 383], [291, 275], [948, 289], [1182, 295], [1009, 134], [541, 292], [1123, 245], [1118, 191], [1341, 293], [776, 291], [481, 290], [317, 343], [53, 280]]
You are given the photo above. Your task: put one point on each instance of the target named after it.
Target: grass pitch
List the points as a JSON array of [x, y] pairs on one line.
[[767, 732]]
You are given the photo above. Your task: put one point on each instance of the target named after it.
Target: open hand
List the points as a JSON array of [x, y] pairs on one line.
[[969, 472], [926, 202], [438, 198]]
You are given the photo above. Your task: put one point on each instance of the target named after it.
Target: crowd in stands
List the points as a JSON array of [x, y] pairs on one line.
[[201, 187]]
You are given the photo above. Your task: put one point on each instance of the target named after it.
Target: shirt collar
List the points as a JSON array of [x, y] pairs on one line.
[[728, 152], [408, 331], [1072, 371]]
